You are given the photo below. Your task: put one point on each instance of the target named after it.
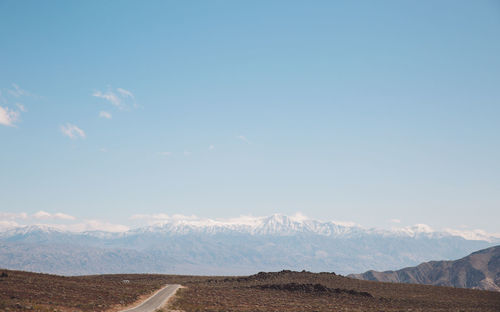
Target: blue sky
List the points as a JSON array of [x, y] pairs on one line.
[[359, 111]]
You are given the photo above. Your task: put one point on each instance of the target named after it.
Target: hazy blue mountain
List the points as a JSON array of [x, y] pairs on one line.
[[479, 270], [211, 247]]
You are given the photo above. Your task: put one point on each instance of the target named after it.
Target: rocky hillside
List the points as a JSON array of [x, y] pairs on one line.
[[480, 270]]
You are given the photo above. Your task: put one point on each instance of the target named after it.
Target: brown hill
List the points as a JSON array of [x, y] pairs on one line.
[[479, 270]]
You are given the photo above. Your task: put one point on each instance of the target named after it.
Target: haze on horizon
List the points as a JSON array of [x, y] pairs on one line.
[[380, 113]]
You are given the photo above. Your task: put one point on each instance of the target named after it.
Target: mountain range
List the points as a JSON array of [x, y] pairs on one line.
[[480, 270], [237, 247]]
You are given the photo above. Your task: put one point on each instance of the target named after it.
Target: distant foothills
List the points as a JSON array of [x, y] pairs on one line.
[[209, 247], [479, 270]]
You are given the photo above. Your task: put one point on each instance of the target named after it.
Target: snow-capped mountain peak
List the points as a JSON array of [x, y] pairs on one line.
[[239, 245], [276, 225]]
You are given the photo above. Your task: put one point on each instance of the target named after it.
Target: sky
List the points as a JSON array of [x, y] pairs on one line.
[[382, 113]]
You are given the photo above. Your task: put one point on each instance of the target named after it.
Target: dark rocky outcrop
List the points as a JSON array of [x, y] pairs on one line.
[[318, 289]]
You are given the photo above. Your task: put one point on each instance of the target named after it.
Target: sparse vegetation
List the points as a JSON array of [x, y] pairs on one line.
[[25, 291], [305, 291], [276, 291]]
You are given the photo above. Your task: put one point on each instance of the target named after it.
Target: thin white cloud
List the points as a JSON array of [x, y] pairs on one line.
[[12, 215], [103, 114], [109, 96], [161, 218], [299, 217], [86, 225], [243, 138], [395, 221], [473, 234], [18, 91], [166, 154], [43, 215], [187, 153], [158, 216], [467, 234], [125, 93], [121, 99], [8, 117], [21, 107], [6, 225], [95, 225], [421, 228], [61, 221], [63, 216], [211, 147], [40, 215], [72, 131]]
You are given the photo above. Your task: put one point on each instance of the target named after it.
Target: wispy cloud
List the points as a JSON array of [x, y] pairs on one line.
[[187, 153], [95, 225], [160, 218], [109, 96], [103, 114], [166, 154], [43, 215], [211, 147], [21, 107], [243, 138], [125, 93], [13, 215], [18, 91], [59, 220], [7, 224], [63, 216], [8, 117], [395, 221], [72, 131], [473, 234], [121, 98], [40, 215]]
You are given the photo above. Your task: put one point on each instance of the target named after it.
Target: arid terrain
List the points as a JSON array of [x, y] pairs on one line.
[[479, 270], [25, 291], [278, 291], [304, 291]]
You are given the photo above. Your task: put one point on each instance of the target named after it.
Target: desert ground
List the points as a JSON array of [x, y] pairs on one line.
[[275, 291]]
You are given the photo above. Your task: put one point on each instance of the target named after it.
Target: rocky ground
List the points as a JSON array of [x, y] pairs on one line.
[[275, 291]]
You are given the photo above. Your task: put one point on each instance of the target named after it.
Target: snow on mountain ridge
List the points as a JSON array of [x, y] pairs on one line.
[[276, 224], [29, 229]]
